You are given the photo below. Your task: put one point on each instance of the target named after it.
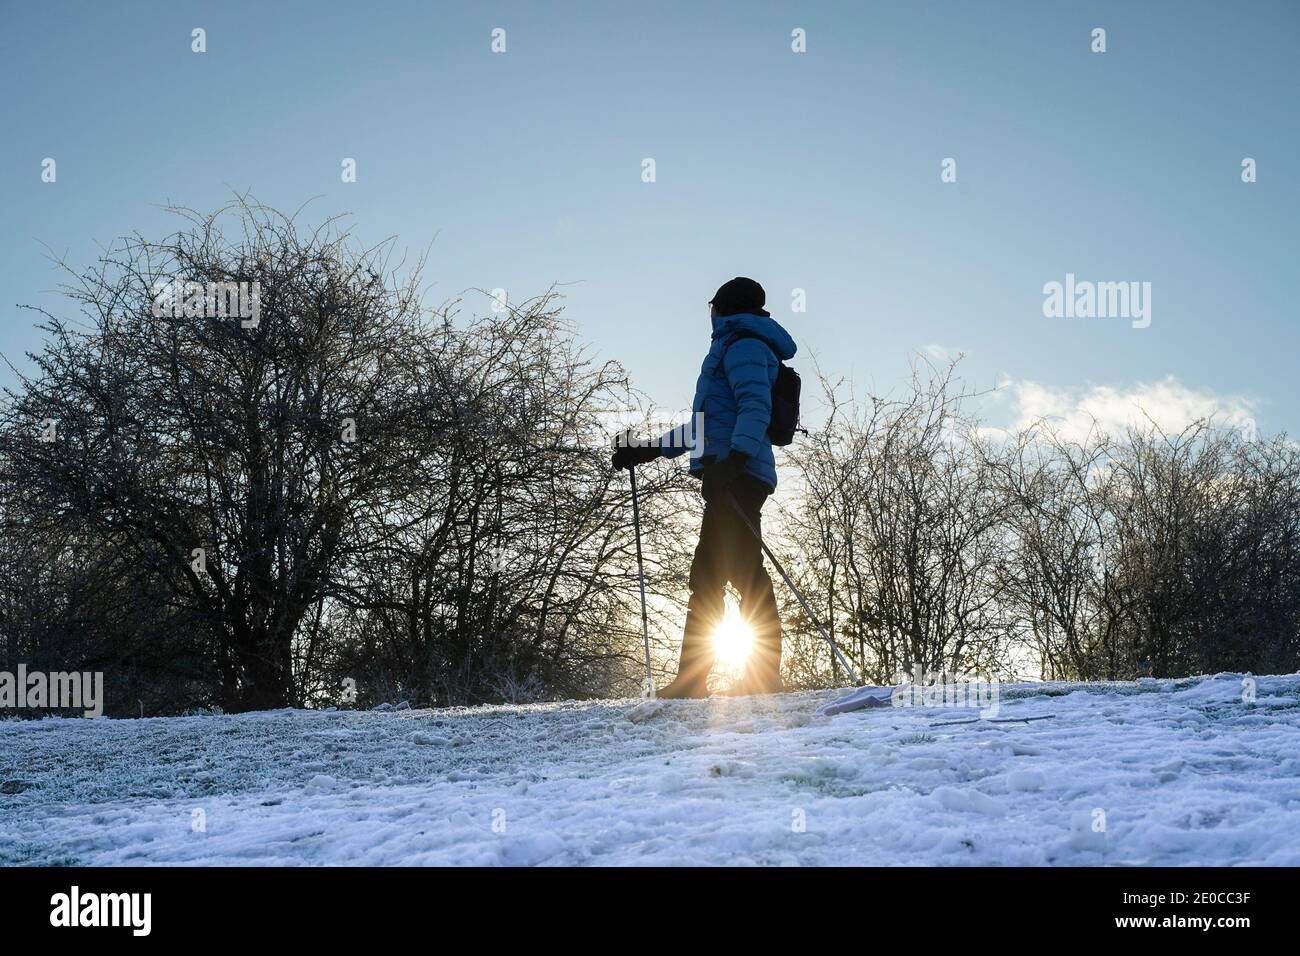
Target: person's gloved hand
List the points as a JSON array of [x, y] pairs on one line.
[[720, 475], [630, 455]]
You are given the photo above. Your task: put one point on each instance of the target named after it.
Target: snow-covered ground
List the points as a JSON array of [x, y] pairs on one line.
[[1158, 772]]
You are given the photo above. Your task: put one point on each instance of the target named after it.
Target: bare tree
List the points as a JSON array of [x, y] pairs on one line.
[[901, 519], [233, 455]]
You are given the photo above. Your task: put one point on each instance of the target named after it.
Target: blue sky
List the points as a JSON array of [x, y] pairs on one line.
[[817, 171]]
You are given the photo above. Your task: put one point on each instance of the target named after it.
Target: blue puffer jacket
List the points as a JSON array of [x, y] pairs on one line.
[[734, 393]]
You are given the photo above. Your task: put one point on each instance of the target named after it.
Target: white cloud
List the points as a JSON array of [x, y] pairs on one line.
[[1075, 412]]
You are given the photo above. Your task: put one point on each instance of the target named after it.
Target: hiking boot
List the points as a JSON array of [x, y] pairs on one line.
[[681, 689], [750, 685]]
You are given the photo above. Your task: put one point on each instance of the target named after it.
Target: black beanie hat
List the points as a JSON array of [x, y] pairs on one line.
[[737, 296]]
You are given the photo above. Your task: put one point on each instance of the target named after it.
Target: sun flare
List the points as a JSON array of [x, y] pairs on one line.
[[732, 641]]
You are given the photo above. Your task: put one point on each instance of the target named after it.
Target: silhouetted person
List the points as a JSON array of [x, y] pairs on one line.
[[734, 396]]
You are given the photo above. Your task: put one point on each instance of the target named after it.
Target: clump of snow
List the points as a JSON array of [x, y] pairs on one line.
[[321, 783], [1155, 772], [968, 800], [646, 711], [1087, 831], [1026, 780]]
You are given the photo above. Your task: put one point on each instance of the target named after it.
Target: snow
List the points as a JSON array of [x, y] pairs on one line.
[[1156, 772]]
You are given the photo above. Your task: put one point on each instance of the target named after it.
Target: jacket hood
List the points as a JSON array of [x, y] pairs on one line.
[[764, 326]]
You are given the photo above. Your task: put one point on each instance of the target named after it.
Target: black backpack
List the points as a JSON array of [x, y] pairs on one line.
[[785, 395]]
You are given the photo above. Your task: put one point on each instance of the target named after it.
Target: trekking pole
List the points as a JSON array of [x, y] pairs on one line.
[[640, 571], [790, 584]]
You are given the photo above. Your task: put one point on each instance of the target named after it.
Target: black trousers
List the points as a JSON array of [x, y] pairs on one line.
[[729, 552]]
